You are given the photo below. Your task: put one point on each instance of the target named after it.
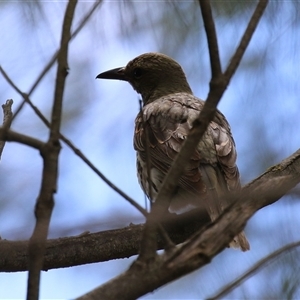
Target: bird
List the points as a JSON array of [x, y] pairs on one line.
[[162, 125]]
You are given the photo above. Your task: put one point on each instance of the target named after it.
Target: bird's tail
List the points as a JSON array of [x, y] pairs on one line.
[[217, 200]]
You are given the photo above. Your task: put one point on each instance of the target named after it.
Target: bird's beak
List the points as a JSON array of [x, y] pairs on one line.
[[117, 73]]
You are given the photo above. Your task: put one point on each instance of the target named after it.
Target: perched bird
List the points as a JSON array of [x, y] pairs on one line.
[[169, 109]]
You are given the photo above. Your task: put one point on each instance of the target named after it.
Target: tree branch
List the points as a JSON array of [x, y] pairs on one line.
[[211, 35], [70, 144], [13, 136], [218, 86], [122, 243], [7, 118], [204, 245], [256, 268], [98, 247], [55, 55], [50, 153], [236, 59]]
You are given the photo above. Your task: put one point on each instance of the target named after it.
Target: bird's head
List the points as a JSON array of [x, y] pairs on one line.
[[152, 75]]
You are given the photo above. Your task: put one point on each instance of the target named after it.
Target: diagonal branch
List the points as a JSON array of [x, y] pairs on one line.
[[21, 138], [50, 153], [236, 59], [204, 245], [256, 268], [218, 86], [55, 55], [211, 35], [122, 243], [71, 145], [73, 35]]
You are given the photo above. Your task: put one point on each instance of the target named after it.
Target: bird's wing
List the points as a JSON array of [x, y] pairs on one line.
[[210, 173], [168, 121]]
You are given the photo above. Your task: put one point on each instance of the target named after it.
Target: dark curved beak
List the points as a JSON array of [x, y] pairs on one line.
[[117, 74]]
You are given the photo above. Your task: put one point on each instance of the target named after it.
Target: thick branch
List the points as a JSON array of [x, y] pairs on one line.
[[204, 245], [13, 136], [125, 242], [97, 247]]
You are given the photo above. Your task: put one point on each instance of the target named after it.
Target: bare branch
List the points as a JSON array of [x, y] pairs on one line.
[[211, 35], [46, 122], [21, 138], [51, 62], [236, 59], [7, 118], [203, 246], [55, 55], [102, 176], [72, 146], [218, 86], [50, 153], [256, 268], [98, 247], [199, 127], [259, 193], [25, 97]]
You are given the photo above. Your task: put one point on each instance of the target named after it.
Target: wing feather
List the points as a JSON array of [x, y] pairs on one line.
[[168, 121]]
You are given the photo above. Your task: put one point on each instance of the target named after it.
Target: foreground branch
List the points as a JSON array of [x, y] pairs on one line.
[[12, 136], [125, 242], [97, 247], [253, 270], [50, 153], [218, 85], [201, 248]]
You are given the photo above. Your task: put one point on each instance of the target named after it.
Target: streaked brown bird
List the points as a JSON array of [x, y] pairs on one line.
[[169, 109]]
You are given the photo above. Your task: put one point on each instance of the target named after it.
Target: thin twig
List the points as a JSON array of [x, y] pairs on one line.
[[50, 154], [46, 122], [211, 35], [102, 176], [55, 55], [218, 86], [254, 269], [72, 146], [236, 59], [7, 119]]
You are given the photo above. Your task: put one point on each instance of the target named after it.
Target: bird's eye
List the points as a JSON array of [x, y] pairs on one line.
[[137, 73]]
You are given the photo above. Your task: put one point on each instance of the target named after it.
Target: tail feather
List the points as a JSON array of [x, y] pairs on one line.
[[217, 194]]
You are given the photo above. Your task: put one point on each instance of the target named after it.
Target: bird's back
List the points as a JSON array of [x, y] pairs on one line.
[[210, 174], [212, 169]]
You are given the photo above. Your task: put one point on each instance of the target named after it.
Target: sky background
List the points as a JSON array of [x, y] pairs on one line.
[[261, 104]]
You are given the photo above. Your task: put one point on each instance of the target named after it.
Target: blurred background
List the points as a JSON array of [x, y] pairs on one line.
[[261, 103]]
